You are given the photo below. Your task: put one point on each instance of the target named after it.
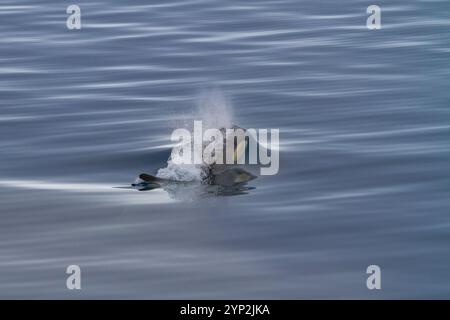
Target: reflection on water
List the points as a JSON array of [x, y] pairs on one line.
[[193, 190]]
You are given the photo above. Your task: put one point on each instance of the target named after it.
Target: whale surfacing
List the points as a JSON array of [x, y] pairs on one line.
[[213, 174]]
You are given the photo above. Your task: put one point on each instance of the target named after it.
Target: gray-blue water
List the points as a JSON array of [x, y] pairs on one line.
[[364, 129]]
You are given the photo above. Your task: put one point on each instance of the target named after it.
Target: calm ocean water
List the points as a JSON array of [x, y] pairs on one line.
[[364, 129]]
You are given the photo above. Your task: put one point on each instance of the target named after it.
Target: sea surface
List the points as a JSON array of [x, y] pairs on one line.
[[364, 124]]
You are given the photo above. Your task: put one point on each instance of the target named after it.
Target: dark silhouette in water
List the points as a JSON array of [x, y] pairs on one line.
[[226, 182]]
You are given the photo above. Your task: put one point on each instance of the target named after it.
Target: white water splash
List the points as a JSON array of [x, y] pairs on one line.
[[215, 111]]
